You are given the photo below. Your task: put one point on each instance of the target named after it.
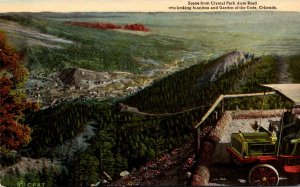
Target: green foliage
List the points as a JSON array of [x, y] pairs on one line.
[[294, 67], [102, 145], [88, 169], [262, 70], [10, 180], [182, 90], [30, 178], [47, 176], [125, 140], [9, 158], [120, 163], [63, 127]]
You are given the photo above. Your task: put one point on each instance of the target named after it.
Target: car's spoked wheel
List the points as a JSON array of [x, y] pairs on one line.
[[263, 174]]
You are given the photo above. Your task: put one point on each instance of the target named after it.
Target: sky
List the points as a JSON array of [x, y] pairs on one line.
[[122, 5]]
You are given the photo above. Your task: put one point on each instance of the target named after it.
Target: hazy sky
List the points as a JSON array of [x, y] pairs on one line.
[[120, 5]]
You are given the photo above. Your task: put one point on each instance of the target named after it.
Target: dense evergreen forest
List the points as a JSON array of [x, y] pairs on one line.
[[126, 139]]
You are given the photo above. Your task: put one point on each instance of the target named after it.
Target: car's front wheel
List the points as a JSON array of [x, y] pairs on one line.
[[263, 175]]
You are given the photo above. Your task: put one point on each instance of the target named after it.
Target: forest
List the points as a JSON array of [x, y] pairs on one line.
[[124, 139]]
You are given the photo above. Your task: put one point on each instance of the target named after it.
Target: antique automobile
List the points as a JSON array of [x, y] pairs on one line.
[[274, 150]]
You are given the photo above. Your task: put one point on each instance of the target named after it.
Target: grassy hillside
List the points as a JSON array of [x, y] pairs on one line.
[[100, 50]]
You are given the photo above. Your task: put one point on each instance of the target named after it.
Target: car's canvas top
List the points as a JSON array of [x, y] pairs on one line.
[[290, 91]]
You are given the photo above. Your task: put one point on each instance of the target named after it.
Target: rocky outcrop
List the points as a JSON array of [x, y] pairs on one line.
[[82, 78], [77, 76], [224, 64]]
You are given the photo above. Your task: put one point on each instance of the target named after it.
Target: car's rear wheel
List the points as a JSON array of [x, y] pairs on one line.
[[263, 175]]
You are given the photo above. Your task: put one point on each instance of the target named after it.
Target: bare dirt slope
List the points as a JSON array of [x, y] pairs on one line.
[[28, 164], [168, 169], [18, 33], [283, 71]]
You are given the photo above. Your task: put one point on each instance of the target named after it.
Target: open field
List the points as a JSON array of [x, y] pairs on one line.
[[185, 37], [211, 34]]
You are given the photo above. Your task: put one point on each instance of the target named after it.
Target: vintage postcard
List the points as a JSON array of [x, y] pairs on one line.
[[149, 93]]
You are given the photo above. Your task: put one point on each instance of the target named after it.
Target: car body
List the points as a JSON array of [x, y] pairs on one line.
[[271, 151]]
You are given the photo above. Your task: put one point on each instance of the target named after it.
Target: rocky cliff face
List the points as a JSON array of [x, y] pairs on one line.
[[225, 64], [80, 77]]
